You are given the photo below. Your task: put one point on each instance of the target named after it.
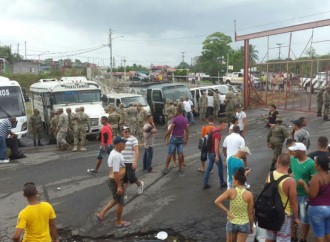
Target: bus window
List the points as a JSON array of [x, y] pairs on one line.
[[11, 102]]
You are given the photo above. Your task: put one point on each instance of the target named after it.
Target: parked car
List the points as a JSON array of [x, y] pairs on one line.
[[124, 98], [319, 81], [233, 78]]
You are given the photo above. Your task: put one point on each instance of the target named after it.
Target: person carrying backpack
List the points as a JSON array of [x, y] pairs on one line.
[[277, 217], [213, 154]]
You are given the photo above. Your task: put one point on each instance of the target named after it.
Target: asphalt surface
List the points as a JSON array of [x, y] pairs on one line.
[[173, 203]]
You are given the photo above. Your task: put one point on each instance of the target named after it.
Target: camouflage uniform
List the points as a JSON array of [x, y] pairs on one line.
[[326, 102], [275, 138], [131, 119], [230, 108], [52, 128], [62, 129], [123, 116], [319, 102], [74, 123], [203, 106], [171, 113], [69, 135], [36, 125], [141, 120], [82, 124], [114, 119], [216, 104], [239, 98], [165, 110]]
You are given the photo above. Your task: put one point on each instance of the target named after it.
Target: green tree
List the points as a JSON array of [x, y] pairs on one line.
[[183, 65], [5, 51]]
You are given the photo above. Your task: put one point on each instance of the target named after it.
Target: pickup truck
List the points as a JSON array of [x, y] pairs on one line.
[[319, 81], [234, 78]]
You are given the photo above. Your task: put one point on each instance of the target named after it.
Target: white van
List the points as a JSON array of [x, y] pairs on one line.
[[125, 98]]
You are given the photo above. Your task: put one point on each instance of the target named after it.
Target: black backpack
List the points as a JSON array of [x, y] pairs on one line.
[[269, 209], [207, 144]]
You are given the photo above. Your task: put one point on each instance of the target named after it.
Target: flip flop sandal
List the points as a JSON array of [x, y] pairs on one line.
[[123, 224], [98, 219]]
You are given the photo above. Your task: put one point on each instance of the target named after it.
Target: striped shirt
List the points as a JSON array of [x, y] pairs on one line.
[[128, 152], [5, 127]]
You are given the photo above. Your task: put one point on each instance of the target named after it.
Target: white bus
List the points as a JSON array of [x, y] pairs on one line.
[[69, 92], [12, 104]]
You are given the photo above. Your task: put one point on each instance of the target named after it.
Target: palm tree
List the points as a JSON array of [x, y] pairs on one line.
[[253, 53]]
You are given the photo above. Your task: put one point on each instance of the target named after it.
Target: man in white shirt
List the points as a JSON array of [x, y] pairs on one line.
[[232, 143], [188, 106], [210, 104], [242, 123]]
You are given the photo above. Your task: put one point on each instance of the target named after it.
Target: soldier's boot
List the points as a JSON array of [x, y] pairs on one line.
[[83, 148], [75, 148], [39, 143], [325, 118], [34, 142]]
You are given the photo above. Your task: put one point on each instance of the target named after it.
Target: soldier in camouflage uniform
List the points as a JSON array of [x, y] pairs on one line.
[[52, 128], [326, 102], [239, 98], [132, 118], [319, 102], [123, 116], [230, 107], [180, 104], [165, 110], [69, 135], [141, 120], [82, 124], [61, 130], [216, 103], [171, 112], [36, 125], [202, 105], [275, 138], [114, 119], [74, 121]]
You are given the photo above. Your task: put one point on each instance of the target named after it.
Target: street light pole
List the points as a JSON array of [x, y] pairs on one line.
[[110, 46], [279, 50]]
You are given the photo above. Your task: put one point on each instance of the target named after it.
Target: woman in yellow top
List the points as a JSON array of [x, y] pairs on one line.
[[240, 214]]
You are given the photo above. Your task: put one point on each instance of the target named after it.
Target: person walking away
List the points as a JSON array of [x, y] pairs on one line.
[[36, 220], [82, 124], [275, 139], [235, 162], [179, 131], [326, 103], [206, 129], [232, 143], [131, 118], [114, 119], [210, 104], [5, 130], [131, 157], [52, 127], [149, 129], [230, 106], [300, 134], [75, 131], [318, 191], [61, 130], [240, 214], [117, 170], [36, 126], [319, 101], [287, 190], [216, 103], [302, 167], [202, 105], [188, 106], [242, 122], [213, 155], [106, 144], [141, 119], [322, 148]]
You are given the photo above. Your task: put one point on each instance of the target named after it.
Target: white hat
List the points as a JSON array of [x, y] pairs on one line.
[[245, 149], [297, 146]]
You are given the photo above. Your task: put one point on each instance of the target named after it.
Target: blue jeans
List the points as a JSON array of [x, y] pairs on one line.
[[190, 117], [303, 215], [147, 158], [176, 143], [320, 220], [211, 160], [103, 153], [3, 148]]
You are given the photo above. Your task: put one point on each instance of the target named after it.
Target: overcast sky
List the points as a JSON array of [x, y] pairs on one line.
[[152, 31]]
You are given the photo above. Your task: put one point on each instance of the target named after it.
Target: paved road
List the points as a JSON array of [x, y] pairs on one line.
[[176, 204]]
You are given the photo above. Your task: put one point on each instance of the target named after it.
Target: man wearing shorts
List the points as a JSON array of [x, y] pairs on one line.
[[117, 171], [287, 189], [106, 144], [302, 168], [131, 157], [180, 132]]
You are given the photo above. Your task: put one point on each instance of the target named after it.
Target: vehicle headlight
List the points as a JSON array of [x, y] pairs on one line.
[[24, 126]]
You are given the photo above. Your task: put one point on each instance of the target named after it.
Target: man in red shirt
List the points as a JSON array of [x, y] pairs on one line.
[[106, 144], [213, 155]]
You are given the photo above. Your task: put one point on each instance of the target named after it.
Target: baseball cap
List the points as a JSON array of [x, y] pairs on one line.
[[297, 146], [245, 149], [296, 122], [126, 127], [119, 140]]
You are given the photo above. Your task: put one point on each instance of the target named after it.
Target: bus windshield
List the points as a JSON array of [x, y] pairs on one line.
[[138, 99], [77, 96], [174, 93], [11, 102]]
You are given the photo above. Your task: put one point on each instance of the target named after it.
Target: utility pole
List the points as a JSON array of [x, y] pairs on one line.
[[110, 46], [124, 68], [17, 49], [182, 56], [279, 50], [25, 49]]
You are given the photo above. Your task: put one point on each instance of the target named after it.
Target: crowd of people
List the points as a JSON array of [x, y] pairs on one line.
[[304, 191]]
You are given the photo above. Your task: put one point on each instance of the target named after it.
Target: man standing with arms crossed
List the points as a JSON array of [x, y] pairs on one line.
[[117, 170], [37, 219]]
